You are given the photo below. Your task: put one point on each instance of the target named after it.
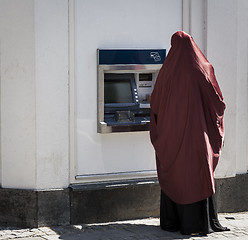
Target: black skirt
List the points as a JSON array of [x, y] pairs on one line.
[[196, 218]]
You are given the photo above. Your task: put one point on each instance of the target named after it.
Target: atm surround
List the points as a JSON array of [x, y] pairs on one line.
[[125, 83]]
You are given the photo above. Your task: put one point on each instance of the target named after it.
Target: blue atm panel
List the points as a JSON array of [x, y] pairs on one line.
[[131, 56]]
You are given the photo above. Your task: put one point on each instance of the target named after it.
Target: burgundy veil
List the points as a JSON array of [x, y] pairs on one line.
[[186, 126]]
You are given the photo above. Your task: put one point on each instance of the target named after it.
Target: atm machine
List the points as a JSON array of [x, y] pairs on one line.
[[126, 78]]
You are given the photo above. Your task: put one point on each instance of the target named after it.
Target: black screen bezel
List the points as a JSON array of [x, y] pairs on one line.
[[113, 107]]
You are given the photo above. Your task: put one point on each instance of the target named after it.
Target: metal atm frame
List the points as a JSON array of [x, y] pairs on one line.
[[135, 62]]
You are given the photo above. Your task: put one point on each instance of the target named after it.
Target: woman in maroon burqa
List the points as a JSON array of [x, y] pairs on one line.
[[186, 131]]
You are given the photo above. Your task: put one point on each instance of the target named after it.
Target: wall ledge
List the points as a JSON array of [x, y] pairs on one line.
[[102, 202]]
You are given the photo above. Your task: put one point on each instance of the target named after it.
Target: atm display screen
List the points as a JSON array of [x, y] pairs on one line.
[[118, 91]]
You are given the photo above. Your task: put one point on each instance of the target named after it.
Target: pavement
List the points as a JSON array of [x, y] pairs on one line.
[[141, 229]]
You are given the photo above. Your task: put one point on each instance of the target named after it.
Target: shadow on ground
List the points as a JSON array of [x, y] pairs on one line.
[[115, 231]]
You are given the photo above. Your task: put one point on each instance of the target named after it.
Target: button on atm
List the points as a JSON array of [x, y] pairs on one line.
[[125, 82]]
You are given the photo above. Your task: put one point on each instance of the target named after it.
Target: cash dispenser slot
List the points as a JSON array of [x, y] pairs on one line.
[[125, 82]]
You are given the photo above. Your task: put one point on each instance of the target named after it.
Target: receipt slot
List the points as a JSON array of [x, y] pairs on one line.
[[125, 82]]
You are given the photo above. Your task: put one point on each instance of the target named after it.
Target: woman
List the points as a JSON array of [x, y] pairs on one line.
[[186, 131]]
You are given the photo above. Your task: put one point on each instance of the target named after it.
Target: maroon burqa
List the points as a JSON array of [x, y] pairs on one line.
[[186, 127]]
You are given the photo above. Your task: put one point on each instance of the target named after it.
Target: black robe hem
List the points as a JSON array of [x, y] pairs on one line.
[[198, 218]]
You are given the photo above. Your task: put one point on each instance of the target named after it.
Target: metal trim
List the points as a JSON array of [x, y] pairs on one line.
[[117, 176]]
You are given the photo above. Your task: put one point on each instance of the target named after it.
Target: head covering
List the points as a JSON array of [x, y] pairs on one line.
[[186, 126]]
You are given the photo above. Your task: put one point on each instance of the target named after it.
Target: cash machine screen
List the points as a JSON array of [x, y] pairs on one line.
[[120, 92], [116, 91]]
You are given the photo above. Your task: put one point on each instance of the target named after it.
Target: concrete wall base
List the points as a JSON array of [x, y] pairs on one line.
[[232, 194], [116, 201], [102, 202], [31, 208]]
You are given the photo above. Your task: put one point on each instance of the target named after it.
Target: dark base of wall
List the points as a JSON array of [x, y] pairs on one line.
[[104, 202], [30, 208], [232, 194], [116, 201]]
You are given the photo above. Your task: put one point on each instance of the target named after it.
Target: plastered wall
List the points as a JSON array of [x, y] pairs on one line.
[[34, 94], [35, 53], [110, 24], [227, 50], [18, 104]]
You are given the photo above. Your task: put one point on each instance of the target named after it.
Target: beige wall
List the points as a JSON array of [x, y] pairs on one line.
[[18, 103], [34, 76], [34, 94], [227, 50]]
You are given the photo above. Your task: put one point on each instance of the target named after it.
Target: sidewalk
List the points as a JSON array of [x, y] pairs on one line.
[[144, 229]]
